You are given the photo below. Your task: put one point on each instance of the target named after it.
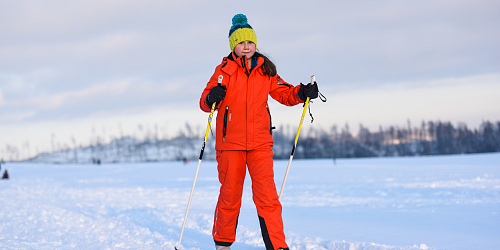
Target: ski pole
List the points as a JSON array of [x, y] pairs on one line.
[[198, 168], [313, 81]]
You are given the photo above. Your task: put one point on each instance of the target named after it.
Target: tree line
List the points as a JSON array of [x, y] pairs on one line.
[[431, 138]]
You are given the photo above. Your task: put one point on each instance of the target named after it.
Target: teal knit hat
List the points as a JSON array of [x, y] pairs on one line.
[[241, 31]]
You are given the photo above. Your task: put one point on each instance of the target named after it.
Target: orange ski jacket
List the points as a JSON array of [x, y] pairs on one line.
[[243, 119]]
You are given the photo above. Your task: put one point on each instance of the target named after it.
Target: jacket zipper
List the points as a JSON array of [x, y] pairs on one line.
[[244, 64], [224, 128], [270, 121]]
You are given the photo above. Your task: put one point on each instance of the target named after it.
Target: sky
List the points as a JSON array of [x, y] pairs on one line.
[[72, 71]]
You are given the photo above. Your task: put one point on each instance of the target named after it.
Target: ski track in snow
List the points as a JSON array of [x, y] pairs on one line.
[[142, 205]]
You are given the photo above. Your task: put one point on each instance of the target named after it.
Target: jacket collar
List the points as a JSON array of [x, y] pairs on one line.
[[242, 62]]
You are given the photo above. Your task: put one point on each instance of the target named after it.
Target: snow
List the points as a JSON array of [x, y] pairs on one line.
[[438, 202]]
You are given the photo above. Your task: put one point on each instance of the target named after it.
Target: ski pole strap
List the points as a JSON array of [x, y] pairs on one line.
[[211, 130], [322, 98], [310, 114]]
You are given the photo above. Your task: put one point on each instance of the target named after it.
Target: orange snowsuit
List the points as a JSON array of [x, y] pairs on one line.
[[244, 138]]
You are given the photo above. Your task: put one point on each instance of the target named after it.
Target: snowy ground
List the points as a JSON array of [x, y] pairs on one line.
[[440, 202]]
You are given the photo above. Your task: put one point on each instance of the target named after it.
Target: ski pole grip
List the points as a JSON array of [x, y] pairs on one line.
[[313, 79], [220, 80]]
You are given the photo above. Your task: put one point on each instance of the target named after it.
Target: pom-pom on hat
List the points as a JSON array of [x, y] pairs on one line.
[[241, 31]]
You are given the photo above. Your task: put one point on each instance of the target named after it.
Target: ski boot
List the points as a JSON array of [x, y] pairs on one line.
[[217, 247]]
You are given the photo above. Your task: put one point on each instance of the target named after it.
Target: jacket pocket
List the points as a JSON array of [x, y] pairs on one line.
[[270, 120], [224, 127]]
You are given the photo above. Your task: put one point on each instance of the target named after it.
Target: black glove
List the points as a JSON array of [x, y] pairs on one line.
[[309, 90], [216, 95]]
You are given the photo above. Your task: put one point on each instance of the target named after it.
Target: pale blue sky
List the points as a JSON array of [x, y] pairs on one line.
[[73, 69]]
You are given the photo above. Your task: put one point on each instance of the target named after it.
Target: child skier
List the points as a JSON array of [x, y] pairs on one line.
[[244, 133]]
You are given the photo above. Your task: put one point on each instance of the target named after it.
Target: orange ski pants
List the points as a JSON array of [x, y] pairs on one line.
[[232, 170]]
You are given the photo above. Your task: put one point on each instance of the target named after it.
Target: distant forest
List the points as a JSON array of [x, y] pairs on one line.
[[431, 138]]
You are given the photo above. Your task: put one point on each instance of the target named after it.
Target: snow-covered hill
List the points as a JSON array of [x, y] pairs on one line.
[[132, 150]]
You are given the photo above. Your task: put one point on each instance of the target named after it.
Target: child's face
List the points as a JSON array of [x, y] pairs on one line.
[[245, 48]]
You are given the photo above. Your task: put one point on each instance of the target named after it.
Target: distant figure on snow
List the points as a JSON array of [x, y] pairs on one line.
[[96, 161], [5, 175]]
